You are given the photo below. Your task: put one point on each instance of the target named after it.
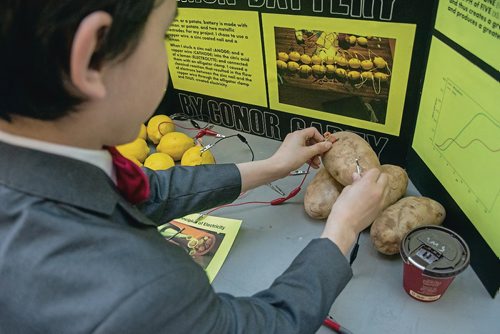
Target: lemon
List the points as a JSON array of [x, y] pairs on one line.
[[294, 56], [354, 63], [363, 41], [367, 75], [193, 157], [316, 60], [330, 69], [366, 65], [137, 149], [175, 144], [293, 66], [381, 76], [319, 71], [158, 126], [354, 76], [281, 65], [379, 62], [305, 59], [283, 56], [159, 161], [351, 39], [143, 134], [135, 161], [340, 60], [341, 73], [305, 70]]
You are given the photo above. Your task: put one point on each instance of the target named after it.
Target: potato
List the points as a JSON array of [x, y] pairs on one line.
[[340, 160], [390, 227], [397, 183], [320, 195]]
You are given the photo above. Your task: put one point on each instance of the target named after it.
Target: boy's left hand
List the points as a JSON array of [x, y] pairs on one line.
[[300, 146]]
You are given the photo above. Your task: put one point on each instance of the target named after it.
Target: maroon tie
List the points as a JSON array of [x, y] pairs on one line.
[[131, 181]]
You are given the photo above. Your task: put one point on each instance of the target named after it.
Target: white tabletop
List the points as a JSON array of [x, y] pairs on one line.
[[374, 301]]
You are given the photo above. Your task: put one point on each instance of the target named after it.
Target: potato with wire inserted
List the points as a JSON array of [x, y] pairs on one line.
[[340, 160]]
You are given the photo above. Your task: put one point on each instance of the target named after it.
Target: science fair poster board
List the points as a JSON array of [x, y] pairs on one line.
[[270, 67]]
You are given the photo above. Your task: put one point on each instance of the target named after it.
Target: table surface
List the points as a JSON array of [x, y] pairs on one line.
[[374, 300]]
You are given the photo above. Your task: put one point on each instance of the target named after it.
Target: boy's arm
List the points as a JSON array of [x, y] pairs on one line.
[[183, 190], [296, 303]]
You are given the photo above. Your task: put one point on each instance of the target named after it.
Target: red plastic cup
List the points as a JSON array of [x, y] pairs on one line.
[[433, 256]]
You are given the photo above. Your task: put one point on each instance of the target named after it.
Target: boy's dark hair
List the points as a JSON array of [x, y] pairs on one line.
[[35, 45]]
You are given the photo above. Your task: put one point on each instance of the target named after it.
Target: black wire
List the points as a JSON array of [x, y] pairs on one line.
[[179, 117], [354, 252], [244, 140], [184, 117], [196, 125], [224, 138], [241, 138], [251, 151]]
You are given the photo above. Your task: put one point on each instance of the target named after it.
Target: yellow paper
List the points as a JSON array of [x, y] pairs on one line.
[[207, 240], [217, 53], [458, 136], [400, 36], [474, 24]]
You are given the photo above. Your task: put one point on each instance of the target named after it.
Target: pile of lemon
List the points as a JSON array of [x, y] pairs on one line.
[[171, 146]]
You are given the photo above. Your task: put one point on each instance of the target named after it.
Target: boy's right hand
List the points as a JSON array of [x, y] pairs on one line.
[[299, 147], [356, 208]]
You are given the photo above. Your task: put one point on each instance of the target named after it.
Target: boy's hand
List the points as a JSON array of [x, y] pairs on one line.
[[299, 147], [356, 208]]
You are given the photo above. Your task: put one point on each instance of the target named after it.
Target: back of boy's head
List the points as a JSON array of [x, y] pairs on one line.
[[35, 45]]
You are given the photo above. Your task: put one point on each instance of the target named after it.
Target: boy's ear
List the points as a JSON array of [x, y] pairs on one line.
[[84, 77]]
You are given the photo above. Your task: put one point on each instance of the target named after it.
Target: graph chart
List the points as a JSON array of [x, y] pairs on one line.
[[467, 137], [457, 136]]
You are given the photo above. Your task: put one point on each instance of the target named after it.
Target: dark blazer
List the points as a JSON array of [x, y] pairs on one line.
[[75, 257]]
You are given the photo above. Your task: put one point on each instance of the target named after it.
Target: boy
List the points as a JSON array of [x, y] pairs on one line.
[[75, 256]]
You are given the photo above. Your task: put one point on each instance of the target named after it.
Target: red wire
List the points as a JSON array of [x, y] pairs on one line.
[[276, 201], [201, 132], [305, 175], [180, 126]]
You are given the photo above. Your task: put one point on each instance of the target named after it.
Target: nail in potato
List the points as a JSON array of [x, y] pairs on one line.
[[340, 160]]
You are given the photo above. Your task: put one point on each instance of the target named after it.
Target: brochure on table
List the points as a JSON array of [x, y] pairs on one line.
[[206, 239]]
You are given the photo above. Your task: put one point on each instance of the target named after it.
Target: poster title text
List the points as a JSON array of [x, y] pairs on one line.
[[367, 9]]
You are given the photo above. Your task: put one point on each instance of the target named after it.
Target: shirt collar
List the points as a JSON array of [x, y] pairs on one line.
[[98, 158]]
